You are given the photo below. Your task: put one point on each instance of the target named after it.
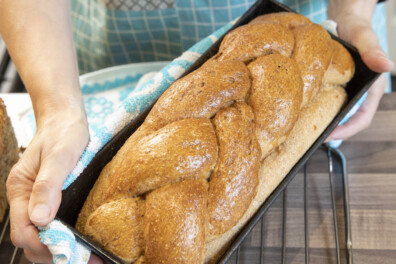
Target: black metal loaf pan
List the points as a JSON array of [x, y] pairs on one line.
[[74, 197]]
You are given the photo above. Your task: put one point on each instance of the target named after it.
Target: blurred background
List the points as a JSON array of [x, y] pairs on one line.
[[391, 24], [11, 83]]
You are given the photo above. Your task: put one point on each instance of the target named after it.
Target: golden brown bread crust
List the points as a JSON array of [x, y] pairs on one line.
[[314, 118], [118, 226], [201, 93], [236, 172], [95, 197], [9, 154], [174, 223], [140, 260], [277, 92], [276, 107], [342, 67], [223, 84], [154, 162], [286, 19], [192, 154], [313, 53], [264, 39]]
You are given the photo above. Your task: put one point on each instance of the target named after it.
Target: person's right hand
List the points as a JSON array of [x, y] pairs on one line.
[[354, 25], [34, 186]]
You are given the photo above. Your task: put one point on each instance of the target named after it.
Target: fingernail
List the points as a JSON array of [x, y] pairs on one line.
[[40, 213], [391, 64], [383, 56]]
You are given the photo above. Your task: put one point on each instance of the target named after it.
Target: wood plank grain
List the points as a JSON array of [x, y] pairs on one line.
[[372, 191], [320, 228], [370, 157], [293, 255], [374, 229], [321, 232], [362, 157], [316, 256], [366, 256], [318, 191], [382, 128], [388, 102]]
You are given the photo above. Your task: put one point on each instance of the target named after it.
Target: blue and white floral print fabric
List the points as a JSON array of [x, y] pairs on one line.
[[104, 90]]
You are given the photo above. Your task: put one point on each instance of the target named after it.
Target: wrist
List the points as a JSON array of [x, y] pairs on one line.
[[64, 120], [52, 107], [338, 9]]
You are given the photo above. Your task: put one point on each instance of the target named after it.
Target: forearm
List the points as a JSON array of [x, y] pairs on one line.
[[362, 8], [38, 35]]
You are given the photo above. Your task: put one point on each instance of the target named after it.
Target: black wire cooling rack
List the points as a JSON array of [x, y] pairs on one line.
[[338, 196]]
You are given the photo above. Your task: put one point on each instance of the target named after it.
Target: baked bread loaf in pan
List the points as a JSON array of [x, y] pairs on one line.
[[218, 142]]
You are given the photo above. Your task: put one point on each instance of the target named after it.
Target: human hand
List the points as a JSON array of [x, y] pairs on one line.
[[354, 25], [35, 183]]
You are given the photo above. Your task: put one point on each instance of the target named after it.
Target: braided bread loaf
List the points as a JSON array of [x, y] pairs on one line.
[[217, 143]]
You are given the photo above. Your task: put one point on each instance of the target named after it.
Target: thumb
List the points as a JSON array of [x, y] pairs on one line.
[[47, 189], [366, 41]]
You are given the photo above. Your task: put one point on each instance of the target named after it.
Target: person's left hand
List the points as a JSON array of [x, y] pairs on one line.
[[354, 26], [34, 186]]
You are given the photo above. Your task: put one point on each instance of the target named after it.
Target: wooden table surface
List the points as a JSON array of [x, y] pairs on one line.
[[371, 158]]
